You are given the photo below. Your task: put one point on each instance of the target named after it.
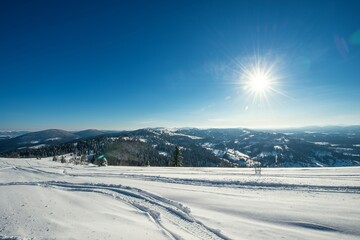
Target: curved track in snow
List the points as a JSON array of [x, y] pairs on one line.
[[150, 202], [167, 214]]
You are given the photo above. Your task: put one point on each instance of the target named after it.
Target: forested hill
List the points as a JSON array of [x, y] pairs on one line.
[[205, 147]]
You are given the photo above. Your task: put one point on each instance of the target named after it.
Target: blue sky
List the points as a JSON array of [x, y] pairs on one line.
[[117, 65]]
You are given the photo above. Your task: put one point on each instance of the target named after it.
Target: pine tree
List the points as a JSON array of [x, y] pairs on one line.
[[177, 158]]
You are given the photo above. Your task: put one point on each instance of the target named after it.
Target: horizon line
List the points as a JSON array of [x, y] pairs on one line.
[[202, 128]]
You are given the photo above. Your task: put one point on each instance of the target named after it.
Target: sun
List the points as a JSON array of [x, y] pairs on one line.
[[259, 82], [259, 78]]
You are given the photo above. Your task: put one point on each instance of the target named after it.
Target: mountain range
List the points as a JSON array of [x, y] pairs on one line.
[[45, 138], [233, 147]]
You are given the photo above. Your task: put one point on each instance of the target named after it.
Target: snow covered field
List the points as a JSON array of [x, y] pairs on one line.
[[41, 199]]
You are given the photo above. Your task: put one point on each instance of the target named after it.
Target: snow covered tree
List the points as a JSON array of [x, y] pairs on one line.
[[177, 158], [83, 158]]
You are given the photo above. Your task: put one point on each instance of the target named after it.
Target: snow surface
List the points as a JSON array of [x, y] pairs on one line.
[[163, 153], [38, 146], [172, 132], [53, 139], [41, 199]]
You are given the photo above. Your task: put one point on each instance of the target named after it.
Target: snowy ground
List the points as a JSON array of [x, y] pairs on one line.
[[41, 199]]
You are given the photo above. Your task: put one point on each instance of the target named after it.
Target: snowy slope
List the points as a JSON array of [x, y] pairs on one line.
[[50, 136], [42, 199]]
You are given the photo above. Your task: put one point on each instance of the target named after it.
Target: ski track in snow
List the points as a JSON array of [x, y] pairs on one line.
[[167, 214], [209, 183], [173, 218], [233, 184]]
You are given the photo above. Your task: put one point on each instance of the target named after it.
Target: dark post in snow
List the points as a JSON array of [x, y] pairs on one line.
[[257, 168]]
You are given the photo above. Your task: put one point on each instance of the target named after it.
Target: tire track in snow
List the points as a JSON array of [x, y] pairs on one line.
[[172, 217]]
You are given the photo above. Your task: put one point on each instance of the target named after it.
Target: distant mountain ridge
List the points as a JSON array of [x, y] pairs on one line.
[[89, 133], [50, 137], [45, 138], [11, 134], [232, 147]]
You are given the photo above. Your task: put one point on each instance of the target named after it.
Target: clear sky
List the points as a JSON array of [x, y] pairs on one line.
[[117, 65]]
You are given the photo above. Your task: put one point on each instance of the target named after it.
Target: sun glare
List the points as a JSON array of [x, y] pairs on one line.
[[259, 82], [259, 79]]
